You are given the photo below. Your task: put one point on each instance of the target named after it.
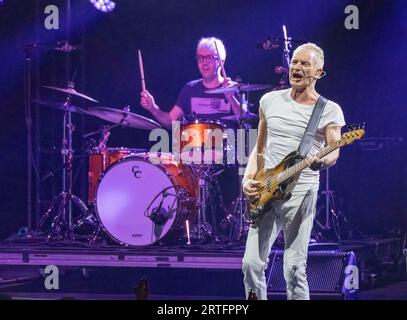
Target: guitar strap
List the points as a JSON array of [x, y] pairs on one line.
[[308, 137]]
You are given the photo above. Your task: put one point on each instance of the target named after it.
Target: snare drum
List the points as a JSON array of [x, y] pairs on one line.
[[143, 199], [205, 142], [100, 161]]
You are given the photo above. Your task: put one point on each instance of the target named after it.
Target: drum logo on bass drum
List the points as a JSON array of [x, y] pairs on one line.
[[136, 171]]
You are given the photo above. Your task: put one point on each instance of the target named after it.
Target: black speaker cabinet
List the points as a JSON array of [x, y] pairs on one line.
[[327, 273]]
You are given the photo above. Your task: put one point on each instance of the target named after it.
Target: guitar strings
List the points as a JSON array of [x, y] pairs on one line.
[[269, 183]]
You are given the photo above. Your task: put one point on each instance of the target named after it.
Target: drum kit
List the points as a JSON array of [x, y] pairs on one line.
[[136, 197]]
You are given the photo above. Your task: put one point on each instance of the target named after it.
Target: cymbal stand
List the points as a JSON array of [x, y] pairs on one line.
[[239, 205], [202, 225], [61, 205]]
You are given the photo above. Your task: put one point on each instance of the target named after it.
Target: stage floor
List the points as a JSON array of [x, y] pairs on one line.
[[198, 272]]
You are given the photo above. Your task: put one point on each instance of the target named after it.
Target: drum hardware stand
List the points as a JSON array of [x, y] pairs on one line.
[[101, 146], [201, 204], [95, 234], [103, 130], [61, 205], [239, 207], [203, 228]]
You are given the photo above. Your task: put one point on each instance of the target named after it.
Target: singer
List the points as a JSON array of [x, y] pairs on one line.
[[192, 100], [284, 116]]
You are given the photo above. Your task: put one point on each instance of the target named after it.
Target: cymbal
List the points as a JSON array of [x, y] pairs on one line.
[[124, 117], [71, 91], [245, 117], [240, 87], [59, 105]]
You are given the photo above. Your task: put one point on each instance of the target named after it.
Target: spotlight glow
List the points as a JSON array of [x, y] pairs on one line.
[[103, 5]]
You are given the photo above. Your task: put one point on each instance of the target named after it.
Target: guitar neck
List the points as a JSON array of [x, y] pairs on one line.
[[299, 166]]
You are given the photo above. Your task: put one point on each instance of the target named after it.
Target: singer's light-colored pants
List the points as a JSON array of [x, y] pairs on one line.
[[295, 217]]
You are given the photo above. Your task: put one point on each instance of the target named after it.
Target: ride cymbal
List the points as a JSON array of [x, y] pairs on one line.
[[124, 117]]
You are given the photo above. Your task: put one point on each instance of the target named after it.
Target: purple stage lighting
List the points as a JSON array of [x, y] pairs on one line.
[[103, 5]]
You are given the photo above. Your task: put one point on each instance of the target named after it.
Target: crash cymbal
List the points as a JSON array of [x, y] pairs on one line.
[[240, 87], [245, 117], [71, 91], [59, 105], [124, 117]]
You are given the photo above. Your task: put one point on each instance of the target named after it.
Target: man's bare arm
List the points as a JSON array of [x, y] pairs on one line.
[[256, 159]]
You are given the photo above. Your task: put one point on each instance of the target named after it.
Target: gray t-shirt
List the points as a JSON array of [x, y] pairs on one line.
[[286, 124], [194, 100]]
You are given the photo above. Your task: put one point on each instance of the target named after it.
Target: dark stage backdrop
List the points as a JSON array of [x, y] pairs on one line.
[[366, 71]]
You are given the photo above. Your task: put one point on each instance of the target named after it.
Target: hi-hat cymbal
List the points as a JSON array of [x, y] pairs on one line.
[[245, 117], [126, 118], [59, 105], [71, 91], [240, 87]]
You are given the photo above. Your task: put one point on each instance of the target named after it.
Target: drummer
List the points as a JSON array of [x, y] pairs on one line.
[[193, 101]]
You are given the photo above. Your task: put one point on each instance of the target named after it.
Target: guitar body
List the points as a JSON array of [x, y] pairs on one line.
[[272, 192]]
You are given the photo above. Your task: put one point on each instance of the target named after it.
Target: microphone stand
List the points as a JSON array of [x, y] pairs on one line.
[[286, 54], [28, 119]]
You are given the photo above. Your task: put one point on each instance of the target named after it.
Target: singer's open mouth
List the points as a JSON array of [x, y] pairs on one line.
[[297, 75]]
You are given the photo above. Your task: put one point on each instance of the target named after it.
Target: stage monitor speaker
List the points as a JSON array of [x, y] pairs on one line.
[[327, 273]]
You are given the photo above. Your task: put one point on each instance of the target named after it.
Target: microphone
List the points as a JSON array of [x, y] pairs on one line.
[[280, 70], [323, 74], [269, 44], [159, 215]]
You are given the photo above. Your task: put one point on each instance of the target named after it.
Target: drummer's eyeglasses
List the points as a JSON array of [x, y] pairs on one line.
[[209, 58]]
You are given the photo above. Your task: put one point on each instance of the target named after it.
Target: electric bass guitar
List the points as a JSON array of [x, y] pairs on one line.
[[274, 181]]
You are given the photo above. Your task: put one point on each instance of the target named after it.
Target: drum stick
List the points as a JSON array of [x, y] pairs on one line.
[[221, 62], [140, 63]]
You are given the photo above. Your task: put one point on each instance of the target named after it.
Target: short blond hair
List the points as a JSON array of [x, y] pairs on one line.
[[319, 53], [210, 44]]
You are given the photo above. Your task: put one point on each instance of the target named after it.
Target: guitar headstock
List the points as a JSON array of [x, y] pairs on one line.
[[355, 132]]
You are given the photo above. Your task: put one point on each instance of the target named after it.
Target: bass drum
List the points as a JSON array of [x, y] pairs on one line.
[[146, 198], [100, 161]]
